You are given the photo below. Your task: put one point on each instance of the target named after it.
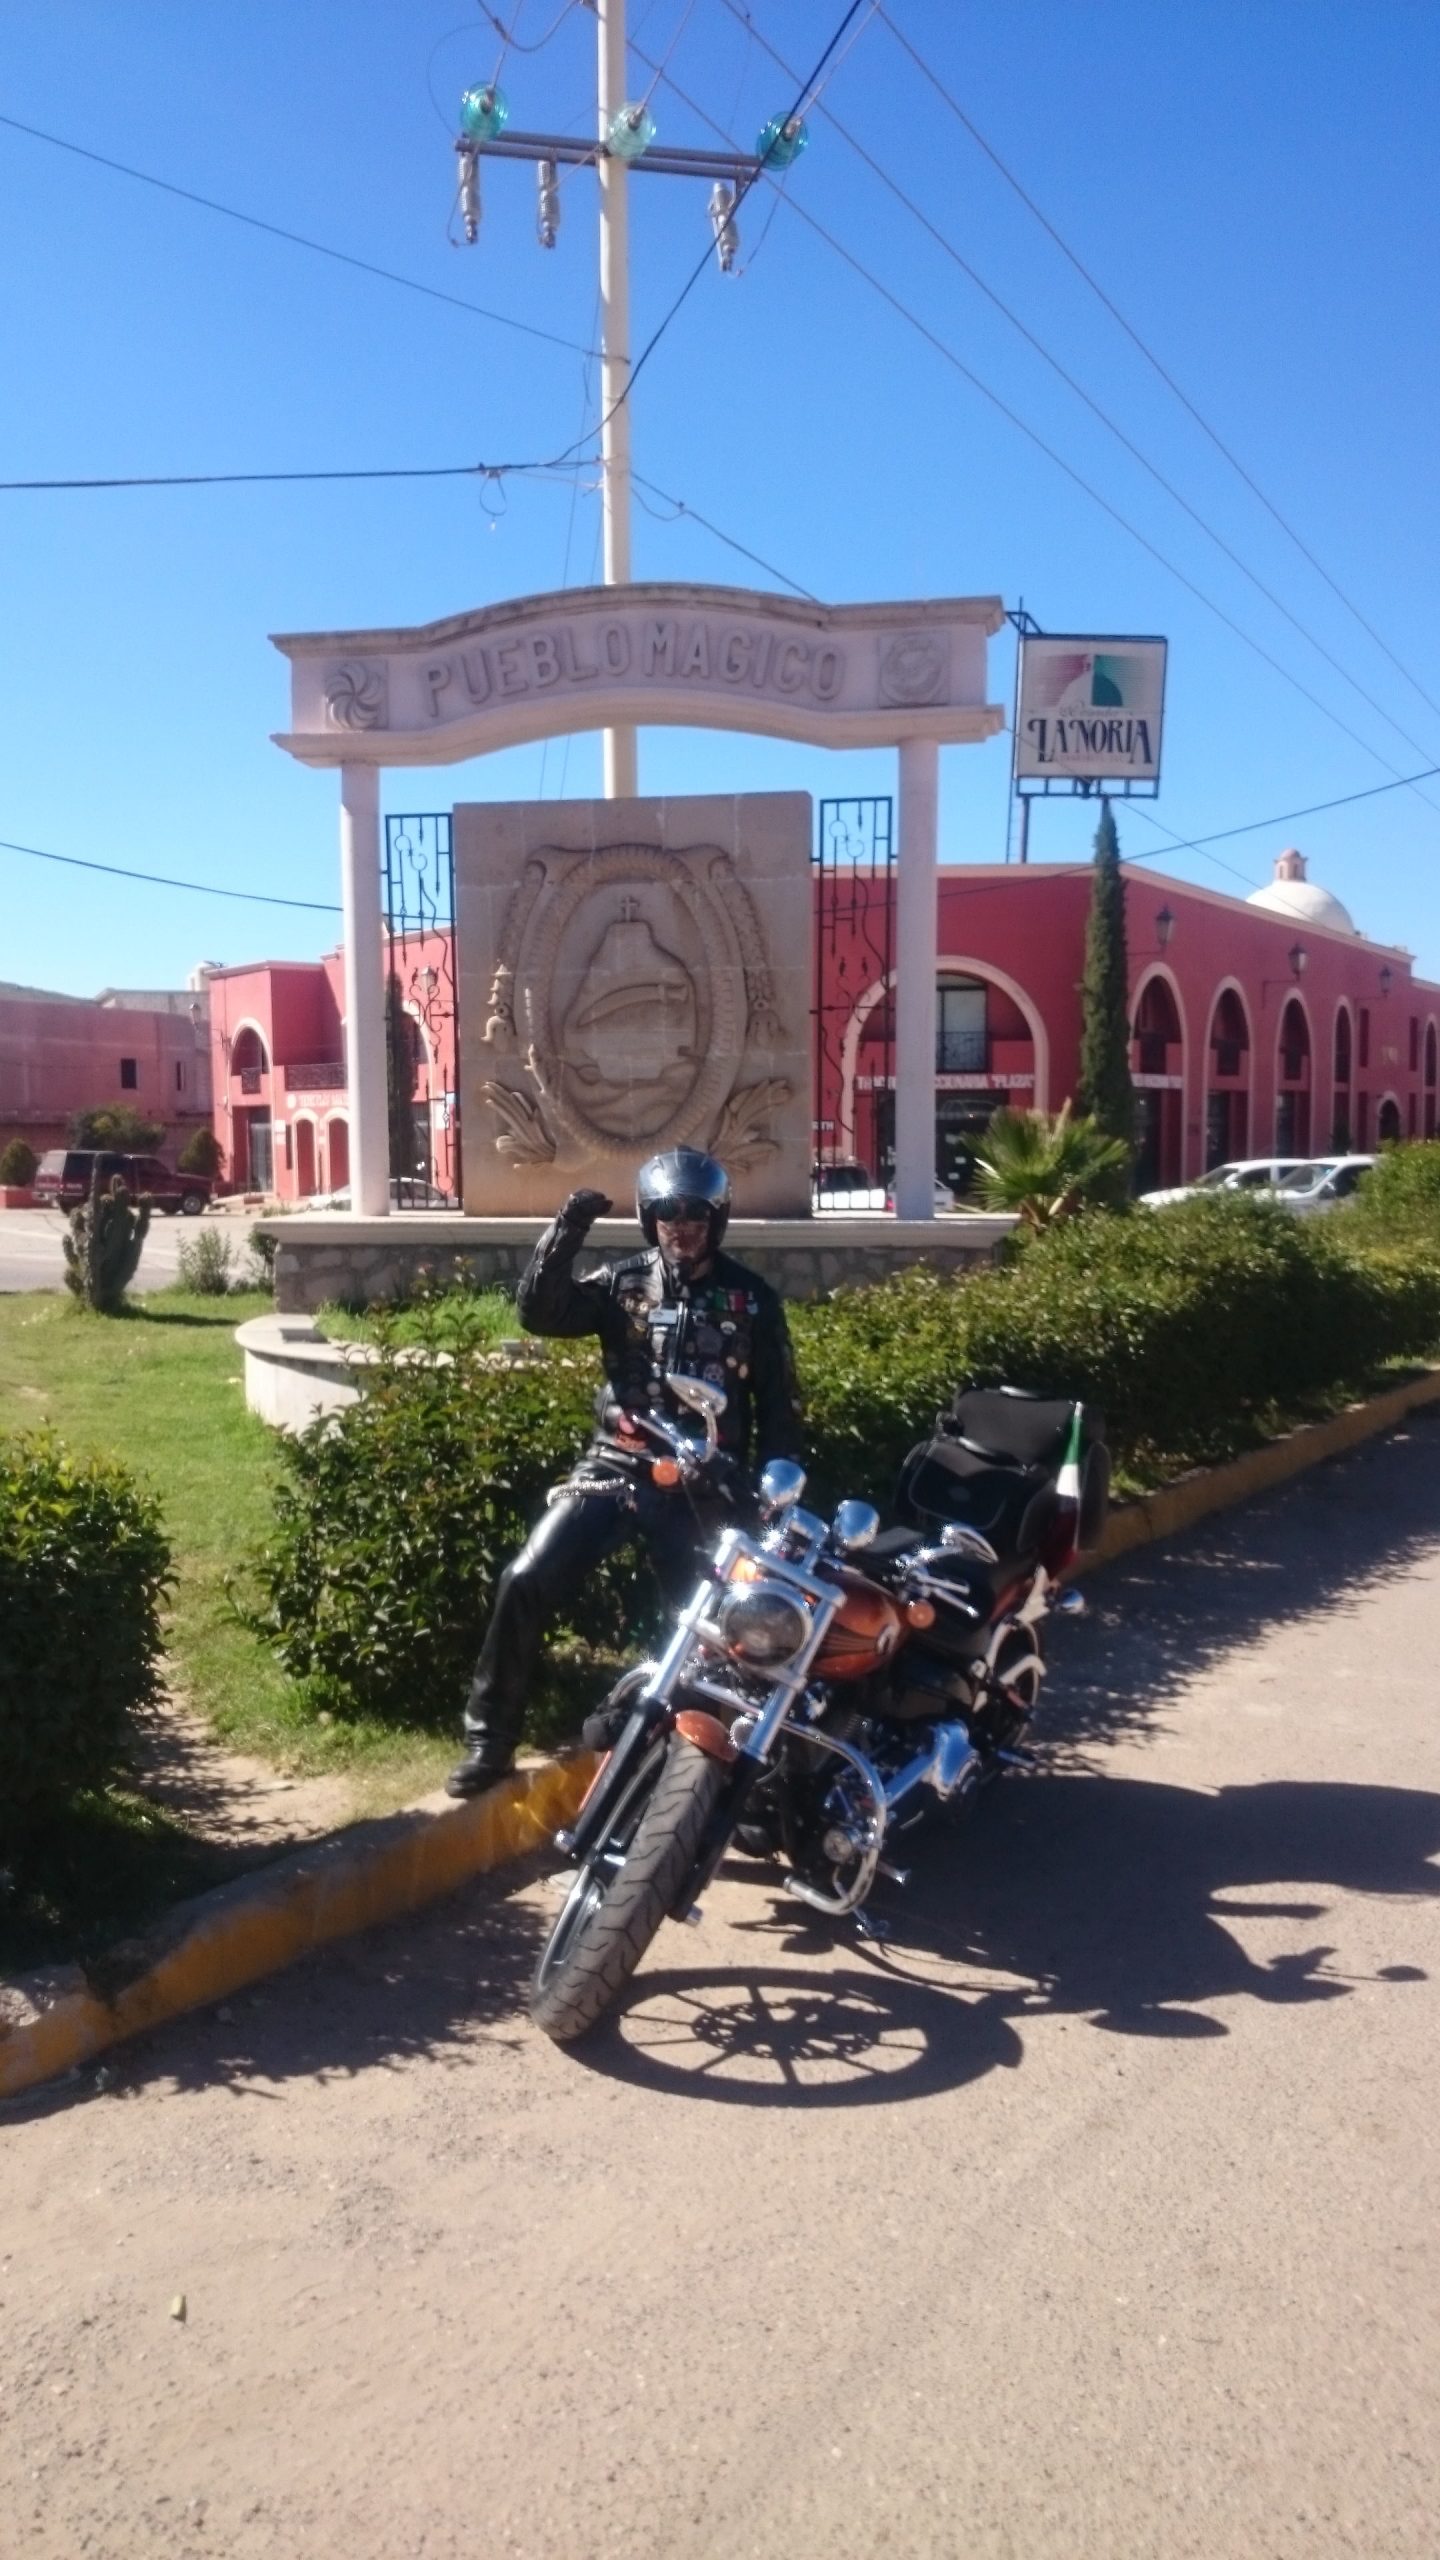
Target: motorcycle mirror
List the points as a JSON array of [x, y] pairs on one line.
[[1073, 1604], [781, 1483], [854, 1525]]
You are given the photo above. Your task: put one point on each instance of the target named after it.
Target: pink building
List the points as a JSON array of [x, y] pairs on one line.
[[277, 1054], [1261, 1025], [63, 1054]]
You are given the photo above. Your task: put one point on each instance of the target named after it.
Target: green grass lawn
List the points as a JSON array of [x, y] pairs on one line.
[[161, 1387]]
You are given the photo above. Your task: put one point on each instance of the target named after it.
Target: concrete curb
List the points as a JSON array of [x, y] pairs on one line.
[[377, 1870], [1190, 1498], [203, 1949]]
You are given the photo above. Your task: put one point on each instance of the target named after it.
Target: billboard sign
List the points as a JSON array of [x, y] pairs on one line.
[[1089, 710]]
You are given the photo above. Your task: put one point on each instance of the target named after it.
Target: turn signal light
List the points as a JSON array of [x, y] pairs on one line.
[[664, 1471], [919, 1613]]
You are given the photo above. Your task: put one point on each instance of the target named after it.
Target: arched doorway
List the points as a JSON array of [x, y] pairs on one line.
[[337, 1141], [253, 1165], [1387, 1127], [990, 1049], [1227, 1091], [305, 1182], [1157, 1067], [1342, 1073], [1292, 1081], [1432, 1058]]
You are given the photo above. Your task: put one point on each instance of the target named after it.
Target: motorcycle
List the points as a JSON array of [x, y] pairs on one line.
[[828, 1683]]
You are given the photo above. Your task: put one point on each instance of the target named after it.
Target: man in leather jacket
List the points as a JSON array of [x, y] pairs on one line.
[[680, 1307]]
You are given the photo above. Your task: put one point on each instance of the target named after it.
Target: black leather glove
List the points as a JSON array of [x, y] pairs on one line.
[[584, 1207]]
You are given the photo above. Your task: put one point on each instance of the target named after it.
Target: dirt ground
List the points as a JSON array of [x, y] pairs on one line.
[[1092, 2215]]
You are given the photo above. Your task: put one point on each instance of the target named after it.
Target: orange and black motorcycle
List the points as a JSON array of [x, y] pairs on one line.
[[827, 1682]]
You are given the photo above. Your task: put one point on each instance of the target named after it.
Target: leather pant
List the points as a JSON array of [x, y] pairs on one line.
[[566, 1544]]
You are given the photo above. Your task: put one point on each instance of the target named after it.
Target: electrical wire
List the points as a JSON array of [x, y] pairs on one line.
[[1137, 453], [670, 52], [247, 479], [1033, 435], [680, 508], [160, 880], [1286, 817], [1133, 334], [508, 36], [295, 239]]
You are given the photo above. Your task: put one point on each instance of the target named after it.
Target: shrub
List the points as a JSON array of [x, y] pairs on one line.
[[1400, 1197], [83, 1570], [1195, 1328], [202, 1153], [115, 1125], [17, 1165], [206, 1263], [395, 1518]]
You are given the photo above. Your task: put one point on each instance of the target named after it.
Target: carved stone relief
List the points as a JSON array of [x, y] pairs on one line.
[[630, 1000]]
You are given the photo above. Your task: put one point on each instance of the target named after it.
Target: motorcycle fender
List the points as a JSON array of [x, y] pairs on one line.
[[707, 1733], [615, 1767]]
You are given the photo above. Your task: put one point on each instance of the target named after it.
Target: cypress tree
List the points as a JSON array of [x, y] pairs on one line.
[[1105, 1092]]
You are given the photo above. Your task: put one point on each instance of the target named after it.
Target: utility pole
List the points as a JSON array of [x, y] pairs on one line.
[[622, 776], [624, 141]]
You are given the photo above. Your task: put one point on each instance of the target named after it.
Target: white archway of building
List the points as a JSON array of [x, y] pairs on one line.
[[948, 964], [1342, 1076], [307, 1172], [1295, 1092], [912, 676], [1389, 1119], [1229, 1097], [1163, 1097]]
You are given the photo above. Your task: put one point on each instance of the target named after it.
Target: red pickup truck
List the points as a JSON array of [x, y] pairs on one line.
[[63, 1176]]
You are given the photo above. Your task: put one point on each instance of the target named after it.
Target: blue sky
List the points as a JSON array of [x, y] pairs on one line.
[[1251, 181]]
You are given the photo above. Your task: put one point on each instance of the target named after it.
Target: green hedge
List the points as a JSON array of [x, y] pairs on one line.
[[1197, 1329], [83, 1572]]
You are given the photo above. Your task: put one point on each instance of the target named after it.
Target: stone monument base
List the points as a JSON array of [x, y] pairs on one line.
[[328, 1255]]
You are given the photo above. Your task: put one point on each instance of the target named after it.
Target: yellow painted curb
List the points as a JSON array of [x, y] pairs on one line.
[[215, 1944], [1178, 1506]]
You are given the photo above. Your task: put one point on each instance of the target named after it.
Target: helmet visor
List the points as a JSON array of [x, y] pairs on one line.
[[679, 1208]]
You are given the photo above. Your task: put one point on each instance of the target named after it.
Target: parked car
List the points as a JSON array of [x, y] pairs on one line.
[[63, 1177], [1323, 1184], [408, 1192], [1252, 1173], [842, 1186]]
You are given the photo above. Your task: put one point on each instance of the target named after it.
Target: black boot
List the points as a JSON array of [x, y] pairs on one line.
[[481, 1769]]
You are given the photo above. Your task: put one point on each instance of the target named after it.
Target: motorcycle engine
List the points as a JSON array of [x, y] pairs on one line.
[[921, 1686]]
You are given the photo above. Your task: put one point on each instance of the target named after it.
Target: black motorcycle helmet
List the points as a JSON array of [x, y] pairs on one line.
[[683, 1183]]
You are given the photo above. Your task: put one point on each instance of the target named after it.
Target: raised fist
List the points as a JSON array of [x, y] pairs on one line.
[[584, 1207]]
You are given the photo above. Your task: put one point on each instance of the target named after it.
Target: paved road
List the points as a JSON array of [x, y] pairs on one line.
[[1093, 2219], [32, 1256]]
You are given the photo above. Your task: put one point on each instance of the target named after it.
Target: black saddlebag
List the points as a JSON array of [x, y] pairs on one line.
[[993, 1464]]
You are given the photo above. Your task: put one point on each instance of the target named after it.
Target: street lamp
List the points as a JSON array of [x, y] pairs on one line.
[[1299, 960], [1164, 927], [1387, 978]]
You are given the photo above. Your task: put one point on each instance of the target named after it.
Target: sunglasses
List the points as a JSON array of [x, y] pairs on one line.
[[679, 1212]]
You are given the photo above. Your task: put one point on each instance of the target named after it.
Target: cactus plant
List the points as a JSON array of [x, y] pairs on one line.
[[103, 1244]]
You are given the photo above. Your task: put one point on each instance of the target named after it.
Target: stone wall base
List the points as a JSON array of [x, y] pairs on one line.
[[330, 1257]]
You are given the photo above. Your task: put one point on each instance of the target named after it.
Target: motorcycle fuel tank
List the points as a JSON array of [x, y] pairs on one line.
[[864, 1632]]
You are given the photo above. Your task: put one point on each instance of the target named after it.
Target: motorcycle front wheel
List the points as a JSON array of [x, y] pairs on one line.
[[625, 1889]]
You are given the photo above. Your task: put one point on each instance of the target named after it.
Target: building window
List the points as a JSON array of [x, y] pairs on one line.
[[179, 1075], [960, 1043], [129, 1075]]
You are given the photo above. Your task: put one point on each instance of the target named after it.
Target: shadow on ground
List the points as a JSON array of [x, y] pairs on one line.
[[1165, 1613]]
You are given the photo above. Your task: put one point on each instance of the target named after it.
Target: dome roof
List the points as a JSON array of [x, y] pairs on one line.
[[1291, 894]]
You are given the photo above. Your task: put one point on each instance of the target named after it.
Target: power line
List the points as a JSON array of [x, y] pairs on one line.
[[1032, 434], [1094, 406], [682, 509], [160, 880], [1116, 314], [245, 479], [296, 239], [1286, 817]]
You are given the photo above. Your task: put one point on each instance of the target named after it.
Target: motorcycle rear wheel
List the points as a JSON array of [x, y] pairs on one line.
[[610, 1918]]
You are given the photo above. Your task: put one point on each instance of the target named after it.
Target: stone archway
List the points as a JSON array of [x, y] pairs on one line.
[[1027, 1059], [1294, 1065], [1157, 1068], [1227, 1067]]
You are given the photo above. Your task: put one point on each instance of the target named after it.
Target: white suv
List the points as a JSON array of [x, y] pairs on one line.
[[1253, 1173]]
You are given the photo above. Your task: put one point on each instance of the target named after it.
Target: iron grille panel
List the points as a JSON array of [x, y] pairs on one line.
[[854, 955], [423, 1071]]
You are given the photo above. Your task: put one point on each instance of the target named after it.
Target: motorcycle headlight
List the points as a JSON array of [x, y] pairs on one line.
[[763, 1623]]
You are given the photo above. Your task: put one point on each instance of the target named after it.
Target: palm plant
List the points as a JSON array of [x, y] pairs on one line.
[[1045, 1168]]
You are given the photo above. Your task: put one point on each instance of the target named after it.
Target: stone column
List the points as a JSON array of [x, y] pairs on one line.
[[364, 989], [916, 953]]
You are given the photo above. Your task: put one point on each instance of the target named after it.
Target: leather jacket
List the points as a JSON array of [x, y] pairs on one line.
[[727, 1326]]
